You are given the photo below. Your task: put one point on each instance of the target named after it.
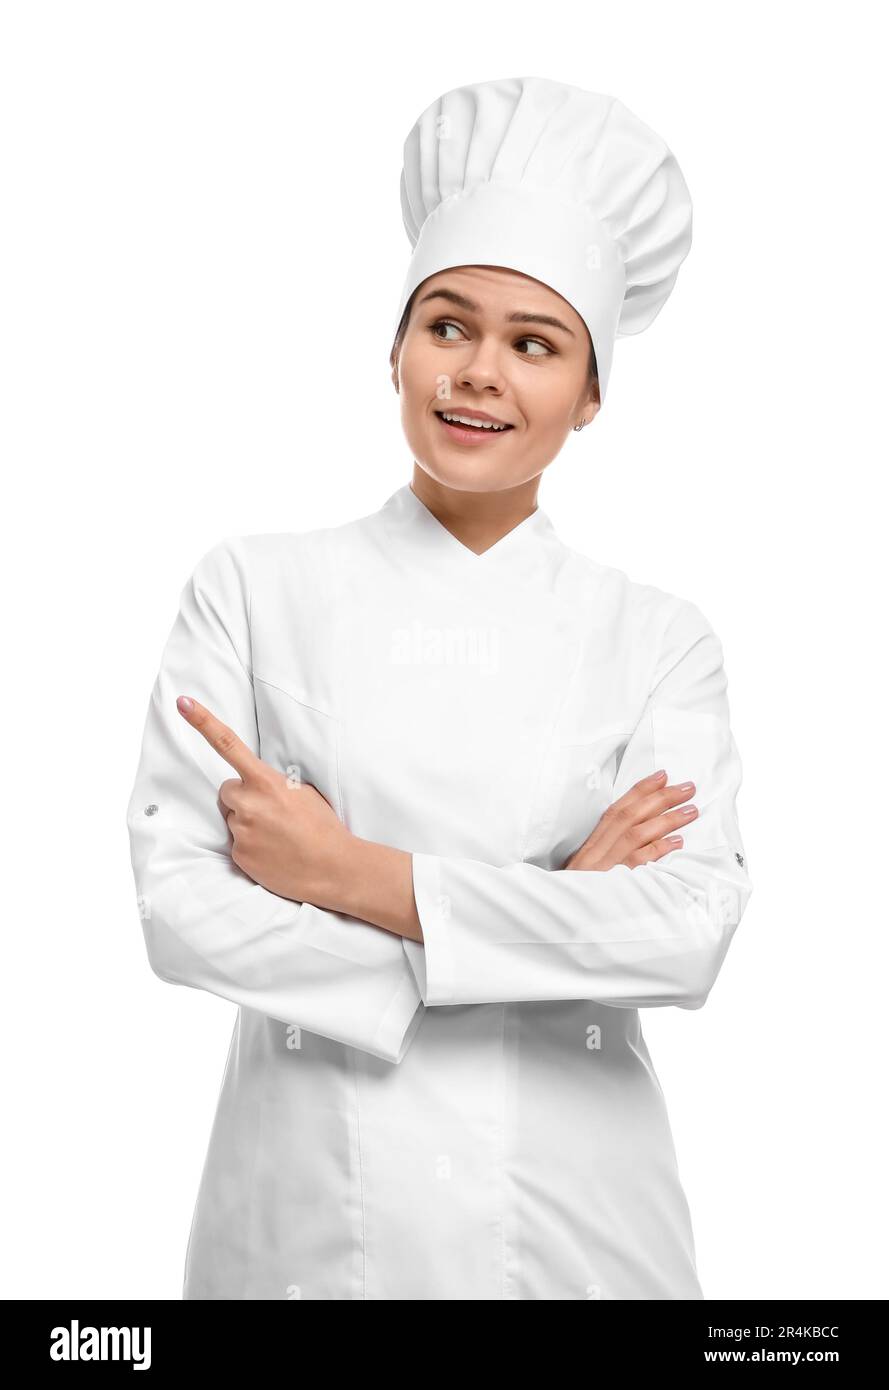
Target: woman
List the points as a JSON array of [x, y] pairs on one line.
[[460, 849]]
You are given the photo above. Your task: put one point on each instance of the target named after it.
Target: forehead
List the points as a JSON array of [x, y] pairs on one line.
[[497, 290]]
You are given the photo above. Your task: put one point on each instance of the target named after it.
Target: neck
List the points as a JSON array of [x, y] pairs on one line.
[[477, 519]]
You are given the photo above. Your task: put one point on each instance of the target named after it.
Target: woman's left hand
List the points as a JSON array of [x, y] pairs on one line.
[[285, 835]]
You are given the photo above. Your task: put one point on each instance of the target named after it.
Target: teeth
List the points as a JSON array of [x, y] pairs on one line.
[[473, 424]]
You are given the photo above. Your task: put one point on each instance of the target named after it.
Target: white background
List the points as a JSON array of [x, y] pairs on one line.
[[202, 257]]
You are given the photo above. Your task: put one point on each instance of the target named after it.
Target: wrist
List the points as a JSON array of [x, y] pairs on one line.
[[360, 865], [333, 871], [374, 883]]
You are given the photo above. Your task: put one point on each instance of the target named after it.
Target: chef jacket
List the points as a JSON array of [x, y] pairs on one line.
[[473, 1116]]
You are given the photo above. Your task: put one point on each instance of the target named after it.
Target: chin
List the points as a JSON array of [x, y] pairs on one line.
[[470, 474], [468, 469]]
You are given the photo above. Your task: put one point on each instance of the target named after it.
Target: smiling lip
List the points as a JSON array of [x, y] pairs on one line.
[[473, 414], [469, 434]]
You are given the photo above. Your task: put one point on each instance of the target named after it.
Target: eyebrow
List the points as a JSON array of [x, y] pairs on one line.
[[518, 317]]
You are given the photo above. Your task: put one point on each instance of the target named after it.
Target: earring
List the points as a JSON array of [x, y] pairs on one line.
[[581, 425]]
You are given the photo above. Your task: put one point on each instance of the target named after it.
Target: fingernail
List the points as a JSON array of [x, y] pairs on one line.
[[674, 839], [662, 773], [689, 810], [185, 704], [686, 786]]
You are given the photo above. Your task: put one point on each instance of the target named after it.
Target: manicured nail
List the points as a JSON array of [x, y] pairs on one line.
[[662, 773], [185, 704], [674, 840], [689, 810], [686, 786]]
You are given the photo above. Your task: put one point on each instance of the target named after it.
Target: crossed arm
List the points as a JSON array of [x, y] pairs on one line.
[[267, 900], [287, 838]]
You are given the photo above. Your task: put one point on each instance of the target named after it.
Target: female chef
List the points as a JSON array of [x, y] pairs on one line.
[[441, 803]]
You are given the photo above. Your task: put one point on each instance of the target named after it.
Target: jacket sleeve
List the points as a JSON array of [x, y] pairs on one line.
[[653, 935], [207, 924]]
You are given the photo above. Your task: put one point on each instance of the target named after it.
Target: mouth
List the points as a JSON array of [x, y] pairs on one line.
[[471, 429]]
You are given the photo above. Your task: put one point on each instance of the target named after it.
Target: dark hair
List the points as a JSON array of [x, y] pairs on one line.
[[592, 368]]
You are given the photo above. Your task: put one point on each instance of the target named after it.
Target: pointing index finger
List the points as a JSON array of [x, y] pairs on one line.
[[220, 737]]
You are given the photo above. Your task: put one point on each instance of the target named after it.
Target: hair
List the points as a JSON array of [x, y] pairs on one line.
[[592, 366]]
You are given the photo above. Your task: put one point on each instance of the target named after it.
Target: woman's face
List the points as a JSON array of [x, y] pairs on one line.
[[493, 341]]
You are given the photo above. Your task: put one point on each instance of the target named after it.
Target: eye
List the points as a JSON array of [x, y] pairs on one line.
[[535, 346], [544, 349], [443, 323]]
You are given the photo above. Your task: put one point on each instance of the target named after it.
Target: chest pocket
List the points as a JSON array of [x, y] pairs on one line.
[[299, 739], [574, 789]]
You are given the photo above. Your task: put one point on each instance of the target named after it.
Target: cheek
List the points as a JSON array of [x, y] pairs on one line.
[[546, 403], [421, 373]]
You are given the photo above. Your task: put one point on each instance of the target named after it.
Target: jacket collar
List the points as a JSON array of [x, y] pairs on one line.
[[528, 554]]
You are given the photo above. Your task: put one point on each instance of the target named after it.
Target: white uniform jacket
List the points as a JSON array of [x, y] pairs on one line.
[[477, 1116]]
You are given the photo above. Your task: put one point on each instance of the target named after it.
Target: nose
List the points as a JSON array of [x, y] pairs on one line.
[[482, 368]]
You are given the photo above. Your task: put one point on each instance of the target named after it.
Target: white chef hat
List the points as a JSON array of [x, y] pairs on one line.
[[561, 184]]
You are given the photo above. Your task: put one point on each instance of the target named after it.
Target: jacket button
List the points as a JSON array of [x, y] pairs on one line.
[[151, 810]]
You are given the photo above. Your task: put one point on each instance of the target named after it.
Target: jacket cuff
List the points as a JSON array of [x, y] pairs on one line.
[[432, 960], [398, 1024]]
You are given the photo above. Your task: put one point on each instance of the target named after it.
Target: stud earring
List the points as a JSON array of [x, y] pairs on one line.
[[581, 425]]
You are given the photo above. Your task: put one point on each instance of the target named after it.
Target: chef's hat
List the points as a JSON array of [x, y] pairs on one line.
[[561, 184]]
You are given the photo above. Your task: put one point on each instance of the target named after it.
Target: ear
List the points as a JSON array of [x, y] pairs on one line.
[[590, 411], [592, 405]]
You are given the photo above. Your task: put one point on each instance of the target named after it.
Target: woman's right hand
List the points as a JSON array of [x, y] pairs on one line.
[[637, 828]]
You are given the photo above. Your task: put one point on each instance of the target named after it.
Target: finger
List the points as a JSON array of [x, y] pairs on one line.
[[649, 854], [621, 822], [223, 800], [220, 737], [229, 793], [651, 795], [620, 815], [665, 824], [636, 837]]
